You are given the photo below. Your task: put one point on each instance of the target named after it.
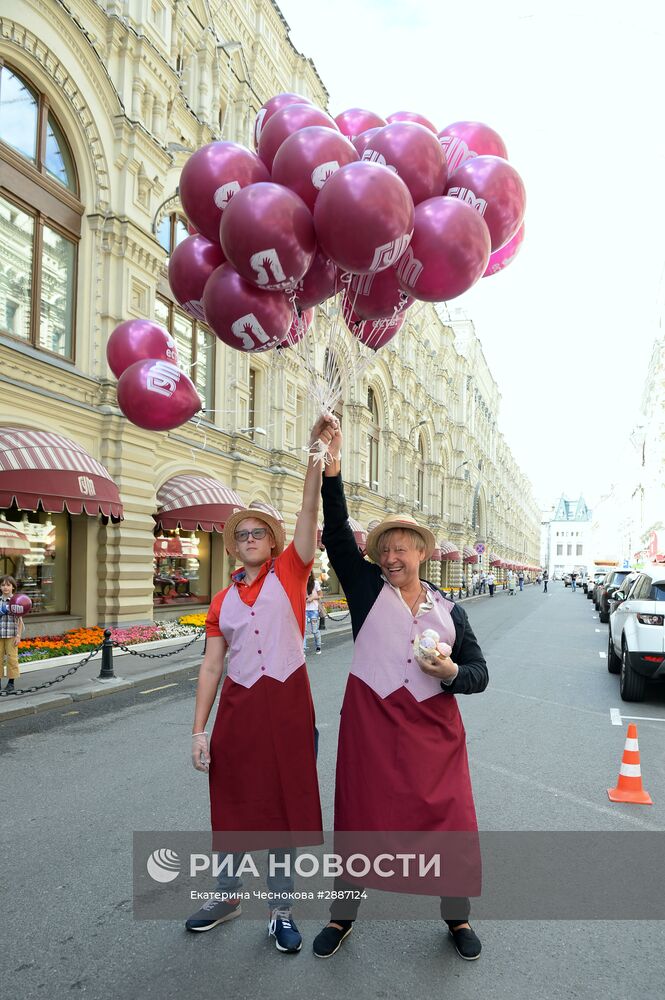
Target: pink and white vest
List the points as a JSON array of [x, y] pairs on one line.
[[383, 651], [264, 640]]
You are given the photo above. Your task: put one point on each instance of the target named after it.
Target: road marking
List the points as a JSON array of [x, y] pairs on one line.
[[615, 717], [643, 718], [598, 630], [603, 656], [162, 688], [63, 714]]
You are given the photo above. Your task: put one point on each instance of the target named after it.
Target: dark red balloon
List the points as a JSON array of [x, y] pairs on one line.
[[20, 604], [284, 123], [377, 333], [157, 396], [362, 141], [415, 153], [463, 140], [138, 339], [364, 217], [377, 295], [267, 110], [211, 177], [411, 116], [320, 282], [449, 251], [190, 265], [495, 190], [299, 327], [356, 120], [267, 233], [243, 316], [306, 160]]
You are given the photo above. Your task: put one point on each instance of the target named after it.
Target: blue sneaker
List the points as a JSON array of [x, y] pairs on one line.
[[282, 927]]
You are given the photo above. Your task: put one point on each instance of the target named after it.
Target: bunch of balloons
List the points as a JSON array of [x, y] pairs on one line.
[[19, 604], [387, 211]]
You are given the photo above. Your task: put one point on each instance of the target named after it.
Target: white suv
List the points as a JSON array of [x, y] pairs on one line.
[[636, 644]]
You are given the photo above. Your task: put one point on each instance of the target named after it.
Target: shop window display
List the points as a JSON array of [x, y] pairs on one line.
[[43, 572], [181, 568]]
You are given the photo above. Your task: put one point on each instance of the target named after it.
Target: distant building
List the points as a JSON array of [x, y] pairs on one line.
[[567, 537]]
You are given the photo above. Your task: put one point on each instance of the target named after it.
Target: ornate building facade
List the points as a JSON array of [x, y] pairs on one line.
[[100, 105]]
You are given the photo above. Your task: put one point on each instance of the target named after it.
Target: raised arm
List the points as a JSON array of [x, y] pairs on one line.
[[304, 537]]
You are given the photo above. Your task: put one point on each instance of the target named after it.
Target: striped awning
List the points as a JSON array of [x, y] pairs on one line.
[[359, 534], [195, 503], [39, 469], [12, 541], [495, 560], [446, 552], [470, 555], [267, 509]]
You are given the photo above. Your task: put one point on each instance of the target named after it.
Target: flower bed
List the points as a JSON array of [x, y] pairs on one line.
[[82, 640], [336, 605]]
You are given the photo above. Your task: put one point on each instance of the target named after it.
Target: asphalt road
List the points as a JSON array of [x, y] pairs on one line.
[[542, 750]]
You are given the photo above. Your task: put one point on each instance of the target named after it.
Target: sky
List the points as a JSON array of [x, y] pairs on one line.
[[577, 92]]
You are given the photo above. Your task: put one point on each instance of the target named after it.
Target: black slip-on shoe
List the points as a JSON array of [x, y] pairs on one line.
[[329, 940], [467, 943]]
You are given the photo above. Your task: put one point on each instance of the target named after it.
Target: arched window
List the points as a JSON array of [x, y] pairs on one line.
[[373, 441], [40, 220], [420, 473], [196, 345], [171, 231]]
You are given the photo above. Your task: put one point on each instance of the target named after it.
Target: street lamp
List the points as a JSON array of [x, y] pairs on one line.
[[460, 467]]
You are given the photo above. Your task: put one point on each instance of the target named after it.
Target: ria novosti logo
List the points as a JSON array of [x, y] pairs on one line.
[[163, 865]]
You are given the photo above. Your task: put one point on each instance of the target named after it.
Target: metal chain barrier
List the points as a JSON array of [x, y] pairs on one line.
[[60, 677], [159, 656]]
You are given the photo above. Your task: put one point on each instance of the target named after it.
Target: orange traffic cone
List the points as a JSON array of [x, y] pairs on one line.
[[629, 785]]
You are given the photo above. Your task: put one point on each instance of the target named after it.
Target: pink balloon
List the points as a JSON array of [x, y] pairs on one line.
[[411, 116], [364, 217], [306, 160], [377, 295], [463, 140], [377, 333], [503, 257], [362, 141], [415, 154], [356, 120], [320, 282], [190, 265], [210, 179], [243, 316], [299, 327], [138, 339], [448, 253], [20, 604], [267, 110], [284, 123], [157, 396], [495, 190], [267, 233]]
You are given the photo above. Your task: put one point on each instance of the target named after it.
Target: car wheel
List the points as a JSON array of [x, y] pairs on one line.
[[604, 616], [613, 661], [632, 686]]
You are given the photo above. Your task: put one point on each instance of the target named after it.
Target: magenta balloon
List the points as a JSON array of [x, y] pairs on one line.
[[411, 116], [463, 140], [137, 339], [320, 282], [448, 253], [415, 154], [377, 333], [503, 257], [211, 177], [157, 396], [306, 160], [267, 233], [243, 316], [299, 327], [377, 295], [356, 120], [495, 190], [267, 110], [364, 217], [362, 141], [20, 604], [285, 122], [190, 265]]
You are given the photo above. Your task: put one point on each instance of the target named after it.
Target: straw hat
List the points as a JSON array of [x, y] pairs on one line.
[[258, 515], [398, 521]]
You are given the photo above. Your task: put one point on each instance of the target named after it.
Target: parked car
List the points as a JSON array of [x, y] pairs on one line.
[[566, 579], [612, 582], [593, 581], [619, 595], [636, 641]]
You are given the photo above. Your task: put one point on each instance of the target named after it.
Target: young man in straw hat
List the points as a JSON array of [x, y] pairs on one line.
[[401, 762], [261, 758]]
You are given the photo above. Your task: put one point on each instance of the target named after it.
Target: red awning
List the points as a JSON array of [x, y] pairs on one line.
[[495, 560], [167, 547], [12, 541], [195, 503], [359, 534], [447, 552], [39, 469], [267, 509], [470, 555]]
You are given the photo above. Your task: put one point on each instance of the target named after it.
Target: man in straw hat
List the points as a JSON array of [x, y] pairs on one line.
[[402, 762], [261, 758]]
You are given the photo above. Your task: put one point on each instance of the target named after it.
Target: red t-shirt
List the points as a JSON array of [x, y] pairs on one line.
[[291, 572]]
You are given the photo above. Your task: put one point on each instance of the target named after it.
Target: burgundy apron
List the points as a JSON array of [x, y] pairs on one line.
[[263, 764]]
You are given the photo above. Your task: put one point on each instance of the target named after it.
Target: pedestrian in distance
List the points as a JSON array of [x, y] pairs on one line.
[[546, 577], [511, 583], [11, 631], [573, 582], [261, 758], [312, 613], [397, 698], [474, 583], [482, 583], [490, 583], [520, 579]]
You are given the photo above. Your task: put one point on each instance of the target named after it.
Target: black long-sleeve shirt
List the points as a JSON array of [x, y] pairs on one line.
[[362, 582]]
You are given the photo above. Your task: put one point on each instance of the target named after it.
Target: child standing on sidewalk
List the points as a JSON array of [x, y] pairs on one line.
[[11, 630]]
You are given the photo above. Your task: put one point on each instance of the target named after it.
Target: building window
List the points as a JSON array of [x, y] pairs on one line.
[[251, 410], [181, 568], [559, 550], [171, 231], [569, 550], [373, 442], [42, 573], [40, 221], [579, 550], [196, 347]]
